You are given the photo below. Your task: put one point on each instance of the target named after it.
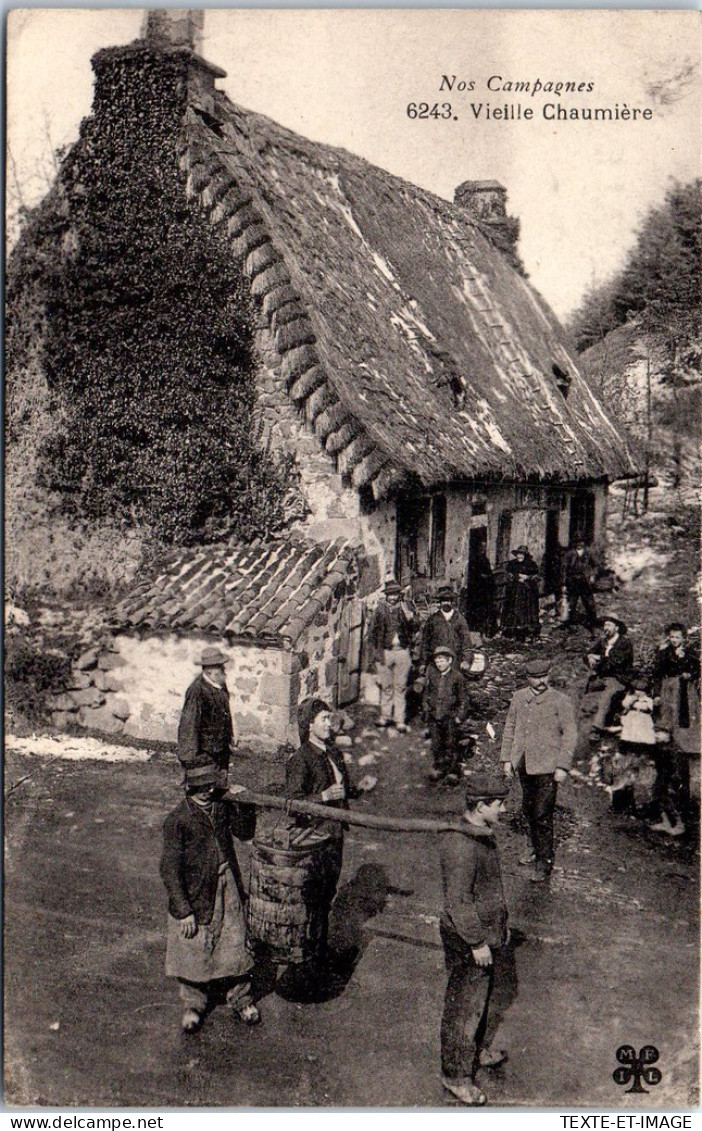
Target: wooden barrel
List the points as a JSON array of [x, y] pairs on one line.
[[289, 897]]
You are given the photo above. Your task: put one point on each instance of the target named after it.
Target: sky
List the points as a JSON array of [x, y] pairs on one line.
[[347, 77]]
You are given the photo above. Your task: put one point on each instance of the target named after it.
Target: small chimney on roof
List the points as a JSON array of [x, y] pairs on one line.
[[486, 202], [177, 28]]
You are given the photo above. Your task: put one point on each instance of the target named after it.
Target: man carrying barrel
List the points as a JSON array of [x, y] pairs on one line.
[[317, 772], [206, 947]]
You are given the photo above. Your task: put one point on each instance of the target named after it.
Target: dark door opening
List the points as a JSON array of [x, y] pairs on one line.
[[552, 555], [502, 555], [582, 517]]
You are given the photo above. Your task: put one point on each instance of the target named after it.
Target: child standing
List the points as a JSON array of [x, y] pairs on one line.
[[445, 707], [206, 947]]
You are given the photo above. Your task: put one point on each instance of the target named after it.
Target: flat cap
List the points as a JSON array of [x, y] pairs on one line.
[[201, 775], [538, 667], [444, 650], [485, 787]]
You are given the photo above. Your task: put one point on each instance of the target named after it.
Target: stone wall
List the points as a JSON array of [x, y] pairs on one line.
[[334, 508], [136, 687]]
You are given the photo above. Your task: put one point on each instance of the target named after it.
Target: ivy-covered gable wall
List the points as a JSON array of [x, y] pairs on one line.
[[148, 341]]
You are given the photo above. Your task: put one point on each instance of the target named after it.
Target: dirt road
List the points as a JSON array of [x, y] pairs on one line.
[[607, 956]]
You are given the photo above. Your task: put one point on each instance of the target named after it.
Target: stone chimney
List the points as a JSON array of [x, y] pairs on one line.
[[177, 28], [161, 72], [486, 202]]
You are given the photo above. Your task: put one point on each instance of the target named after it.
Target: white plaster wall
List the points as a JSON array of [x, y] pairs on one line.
[[158, 670]]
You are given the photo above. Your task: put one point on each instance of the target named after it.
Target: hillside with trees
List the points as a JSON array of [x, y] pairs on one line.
[[639, 338]]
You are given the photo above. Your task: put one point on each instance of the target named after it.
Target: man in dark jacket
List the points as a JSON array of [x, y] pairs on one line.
[[206, 929], [610, 662], [579, 574], [474, 934], [391, 642], [446, 628], [206, 732]]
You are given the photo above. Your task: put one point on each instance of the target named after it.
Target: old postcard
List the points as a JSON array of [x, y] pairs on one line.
[[352, 584]]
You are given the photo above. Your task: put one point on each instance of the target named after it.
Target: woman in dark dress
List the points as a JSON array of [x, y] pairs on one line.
[[520, 607], [480, 597]]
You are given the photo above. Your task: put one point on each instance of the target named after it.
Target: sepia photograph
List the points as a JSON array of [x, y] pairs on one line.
[[352, 577]]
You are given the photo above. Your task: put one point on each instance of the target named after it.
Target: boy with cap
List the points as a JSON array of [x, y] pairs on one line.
[[474, 934], [538, 743], [445, 708], [206, 946], [205, 731]]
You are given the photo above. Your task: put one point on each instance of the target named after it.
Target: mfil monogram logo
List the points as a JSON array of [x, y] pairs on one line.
[[637, 1068]]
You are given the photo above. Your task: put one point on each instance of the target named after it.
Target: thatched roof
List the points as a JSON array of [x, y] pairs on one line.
[[265, 594], [412, 346]]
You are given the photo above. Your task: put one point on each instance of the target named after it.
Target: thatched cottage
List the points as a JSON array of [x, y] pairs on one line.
[[426, 389]]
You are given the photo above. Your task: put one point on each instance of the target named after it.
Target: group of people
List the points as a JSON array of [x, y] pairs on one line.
[[654, 716], [444, 659], [207, 947], [519, 613]]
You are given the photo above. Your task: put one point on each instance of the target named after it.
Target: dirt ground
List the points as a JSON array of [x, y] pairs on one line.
[[606, 955]]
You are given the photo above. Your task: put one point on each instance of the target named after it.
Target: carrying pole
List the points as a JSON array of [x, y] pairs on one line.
[[346, 816]]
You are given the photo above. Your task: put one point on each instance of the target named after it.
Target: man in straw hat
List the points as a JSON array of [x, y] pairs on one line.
[[474, 934], [538, 744], [391, 641], [206, 946], [206, 734], [610, 662]]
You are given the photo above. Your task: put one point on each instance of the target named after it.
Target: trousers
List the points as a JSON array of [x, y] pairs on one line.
[[392, 678], [538, 805], [475, 1001], [195, 995], [444, 743]]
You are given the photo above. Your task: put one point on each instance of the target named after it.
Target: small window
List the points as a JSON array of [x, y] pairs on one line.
[[563, 380], [438, 536]]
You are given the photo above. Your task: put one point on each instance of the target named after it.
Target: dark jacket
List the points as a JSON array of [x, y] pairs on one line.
[[388, 621], [453, 634], [474, 902], [618, 663], [668, 664], [205, 731], [194, 843], [308, 774], [579, 569], [445, 694]]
